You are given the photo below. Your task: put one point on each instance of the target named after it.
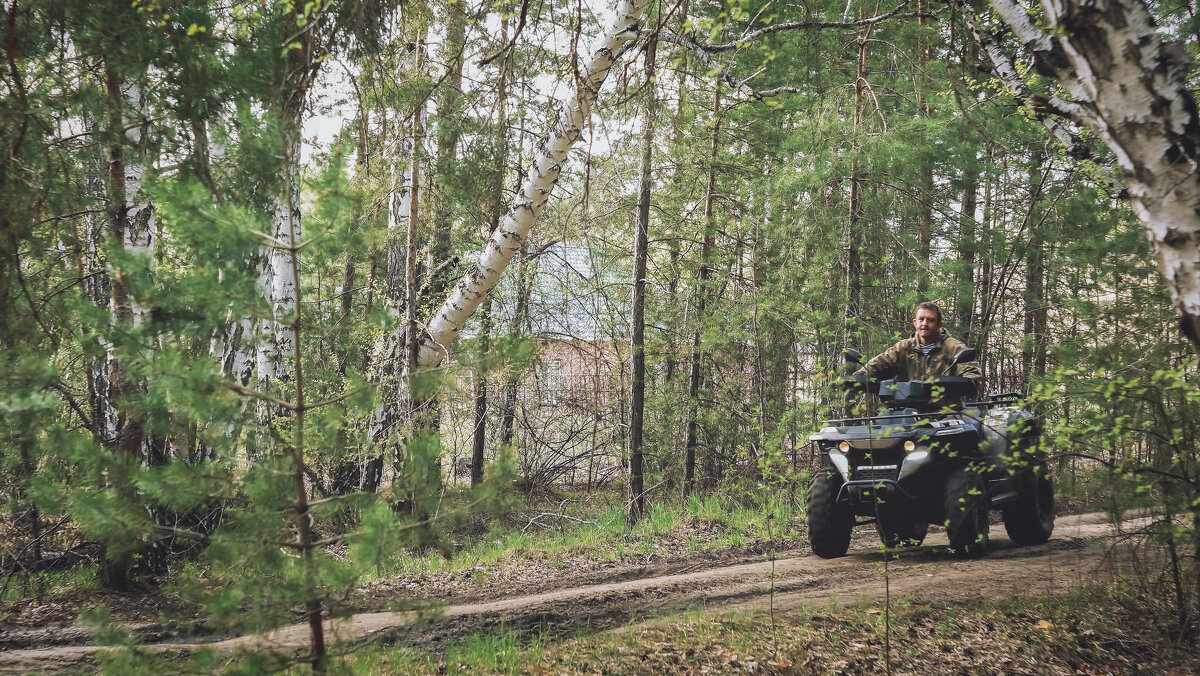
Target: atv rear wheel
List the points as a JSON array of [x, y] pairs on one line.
[[966, 511], [895, 532], [1030, 521], [829, 524]]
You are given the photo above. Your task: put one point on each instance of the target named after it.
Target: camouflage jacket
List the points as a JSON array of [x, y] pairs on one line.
[[904, 361]]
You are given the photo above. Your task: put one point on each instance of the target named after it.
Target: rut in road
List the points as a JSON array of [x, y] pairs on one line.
[[926, 574]]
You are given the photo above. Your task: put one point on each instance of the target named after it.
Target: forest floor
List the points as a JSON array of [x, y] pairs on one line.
[[569, 597]]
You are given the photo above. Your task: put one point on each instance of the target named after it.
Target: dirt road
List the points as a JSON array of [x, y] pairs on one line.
[[925, 574]]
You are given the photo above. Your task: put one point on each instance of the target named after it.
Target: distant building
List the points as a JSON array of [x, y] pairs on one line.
[[570, 423]]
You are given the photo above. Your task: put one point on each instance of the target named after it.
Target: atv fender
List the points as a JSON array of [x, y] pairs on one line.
[[915, 462], [841, 462]]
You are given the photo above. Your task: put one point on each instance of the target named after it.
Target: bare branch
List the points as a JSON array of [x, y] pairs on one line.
[[815, 25], [1133, 469]]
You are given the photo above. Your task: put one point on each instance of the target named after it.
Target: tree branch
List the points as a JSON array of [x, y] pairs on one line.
[[1047, 110], [810, 25], [1134, 469]]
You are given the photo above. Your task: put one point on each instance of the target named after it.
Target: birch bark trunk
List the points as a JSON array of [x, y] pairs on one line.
[[483, 275], [277, 278], [97, 287], [1130, 87], [131, 224], [389, 359]]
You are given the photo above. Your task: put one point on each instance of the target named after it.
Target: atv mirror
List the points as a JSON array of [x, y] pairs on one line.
[[966, 355], [852, 355]]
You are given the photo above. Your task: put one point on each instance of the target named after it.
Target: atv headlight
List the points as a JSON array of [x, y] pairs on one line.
[[844, 447], [910, 446]]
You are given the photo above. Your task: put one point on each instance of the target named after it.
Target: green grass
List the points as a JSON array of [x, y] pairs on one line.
[[52, 583], [703, 523], [498, 652]]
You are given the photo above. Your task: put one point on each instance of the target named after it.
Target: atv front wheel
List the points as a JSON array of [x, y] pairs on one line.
[[1030, 521], [966, 511], [829, 524], [895, 532]]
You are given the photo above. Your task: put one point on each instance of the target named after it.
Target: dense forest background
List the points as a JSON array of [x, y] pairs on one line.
[[213, 326]]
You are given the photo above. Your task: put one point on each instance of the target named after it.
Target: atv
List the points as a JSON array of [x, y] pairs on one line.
[[932, 457]]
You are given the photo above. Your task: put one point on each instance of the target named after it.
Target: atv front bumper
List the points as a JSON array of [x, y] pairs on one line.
[[900, 484]]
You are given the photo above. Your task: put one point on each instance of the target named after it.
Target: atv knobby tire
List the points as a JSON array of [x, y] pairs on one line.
[[897, 532], [829, 524], [1030, 521], [966, 509]]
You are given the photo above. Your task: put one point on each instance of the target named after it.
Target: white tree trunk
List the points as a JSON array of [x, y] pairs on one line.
[[1130, 88], [277, 279], [505, 242], [131, 223], [139, 212], [399, 202]]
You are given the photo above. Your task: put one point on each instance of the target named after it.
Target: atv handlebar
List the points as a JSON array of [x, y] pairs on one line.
[[910, 393]]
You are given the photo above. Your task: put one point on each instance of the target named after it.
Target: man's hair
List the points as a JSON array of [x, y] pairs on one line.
[[931, 306]]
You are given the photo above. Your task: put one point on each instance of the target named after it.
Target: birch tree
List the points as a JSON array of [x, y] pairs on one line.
[[483, 275], [1129, 85], [131, 224]]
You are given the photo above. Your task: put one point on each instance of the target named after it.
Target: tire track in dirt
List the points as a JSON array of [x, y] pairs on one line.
[[926, 574]]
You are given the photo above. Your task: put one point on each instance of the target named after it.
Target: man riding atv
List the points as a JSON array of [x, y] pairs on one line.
[[930, 352], [933, 457]]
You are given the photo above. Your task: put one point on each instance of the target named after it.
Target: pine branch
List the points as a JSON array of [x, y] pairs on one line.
[[238, 388]]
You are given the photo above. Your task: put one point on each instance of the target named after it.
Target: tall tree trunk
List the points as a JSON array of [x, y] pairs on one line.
[[701, 293], [390, 360], [97, 288], [303, 521], [419, 463], [131, 224], [637, 323], [966, 244], [925, 171], [674, 339], [852, 235], [1034, 295], [449, 129], [479, 436], [278, 279], [986, 277], [964, 294], [516, 329], [349, 473]]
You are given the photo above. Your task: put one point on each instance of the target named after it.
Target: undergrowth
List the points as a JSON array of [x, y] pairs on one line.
[[49, 583], [1092, 629], [593, 526]]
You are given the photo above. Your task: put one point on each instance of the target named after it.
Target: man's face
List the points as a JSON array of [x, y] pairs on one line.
[[927, 325]]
